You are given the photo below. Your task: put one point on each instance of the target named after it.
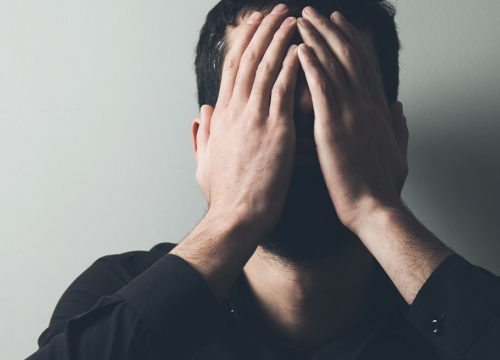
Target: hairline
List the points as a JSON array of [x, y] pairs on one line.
[[224, 42]]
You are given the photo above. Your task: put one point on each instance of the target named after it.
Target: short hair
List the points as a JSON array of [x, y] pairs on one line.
[[376, 16]]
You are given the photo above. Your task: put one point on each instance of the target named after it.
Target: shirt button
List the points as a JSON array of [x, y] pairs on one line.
[[228, 306], [437, 324]]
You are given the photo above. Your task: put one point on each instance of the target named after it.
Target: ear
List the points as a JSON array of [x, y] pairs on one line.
[[200, 129], [195, 126], [400, 126]]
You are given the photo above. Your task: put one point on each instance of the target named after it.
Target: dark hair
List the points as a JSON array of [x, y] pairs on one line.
[[374, 15]]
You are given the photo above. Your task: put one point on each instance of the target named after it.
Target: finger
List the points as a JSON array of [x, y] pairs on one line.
[[204, 129], [283, 92], [329, 63], [321, 93], [242, 38], [256, 49], [344, 51], [270, 66], [363, 43]]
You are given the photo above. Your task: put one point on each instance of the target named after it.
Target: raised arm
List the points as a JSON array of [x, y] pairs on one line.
[[362, 145], [245, 152]]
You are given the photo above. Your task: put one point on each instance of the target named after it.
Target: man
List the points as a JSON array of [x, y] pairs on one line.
[[307, 250]]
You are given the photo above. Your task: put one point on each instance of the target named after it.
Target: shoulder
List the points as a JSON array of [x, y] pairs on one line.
[[109, 273], [103, 277]]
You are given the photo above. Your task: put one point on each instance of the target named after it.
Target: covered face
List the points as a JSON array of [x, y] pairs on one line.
[[309, 227]]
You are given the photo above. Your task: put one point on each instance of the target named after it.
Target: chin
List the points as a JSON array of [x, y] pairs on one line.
[[309, 228]]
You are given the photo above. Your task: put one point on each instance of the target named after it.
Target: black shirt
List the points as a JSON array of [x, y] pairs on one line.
[[154, 305]]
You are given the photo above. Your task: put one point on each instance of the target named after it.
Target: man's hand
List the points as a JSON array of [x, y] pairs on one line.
[[361, 142], [246, 144], [362, 146], [245, 149]]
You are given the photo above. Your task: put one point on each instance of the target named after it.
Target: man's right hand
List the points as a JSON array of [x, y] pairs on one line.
[[246, 145], [245, 149]]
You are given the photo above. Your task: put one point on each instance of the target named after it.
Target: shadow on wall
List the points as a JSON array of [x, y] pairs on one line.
[[454, 175]]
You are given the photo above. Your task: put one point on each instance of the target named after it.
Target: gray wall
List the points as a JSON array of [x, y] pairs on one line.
[[96, 101]]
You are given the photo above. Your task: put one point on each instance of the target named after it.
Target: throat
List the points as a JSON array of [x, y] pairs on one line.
[[306, 305]]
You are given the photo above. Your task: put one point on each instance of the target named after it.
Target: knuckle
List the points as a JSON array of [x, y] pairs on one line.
[[265, 68], [332, 65], [347, 51], [253, 122], [250, 55], [267, 23], [287, 64], [322, 86], [280, 35], [314, 37], [280, 130], [350, 34], [348, 116], [231, 63], [279, 90], [258, 89], [323, 22], [316, 44]]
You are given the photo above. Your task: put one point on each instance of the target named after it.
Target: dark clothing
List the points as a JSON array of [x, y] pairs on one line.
[[154, 305]]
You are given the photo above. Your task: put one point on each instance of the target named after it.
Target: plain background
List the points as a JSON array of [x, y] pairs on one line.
[[96, 103]]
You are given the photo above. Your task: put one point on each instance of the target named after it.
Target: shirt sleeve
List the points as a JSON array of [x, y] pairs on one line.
[[166, 312], [458, 311]]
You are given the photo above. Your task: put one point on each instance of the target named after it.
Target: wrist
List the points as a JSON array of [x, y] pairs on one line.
[[397, 218], [405, 248], [218, 248], [375, 214], [234, 220]]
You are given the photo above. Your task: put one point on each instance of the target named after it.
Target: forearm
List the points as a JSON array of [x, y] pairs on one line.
[[406, 249], [218, 248]]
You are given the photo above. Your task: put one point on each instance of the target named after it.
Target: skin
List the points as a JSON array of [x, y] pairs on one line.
[[244, 148]]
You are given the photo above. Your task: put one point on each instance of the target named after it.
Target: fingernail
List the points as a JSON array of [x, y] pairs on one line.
[[304, 48], [309, 10], [301, 21], [279, 9], [288, 21], [291, 49], [254, 18], [335, 15]]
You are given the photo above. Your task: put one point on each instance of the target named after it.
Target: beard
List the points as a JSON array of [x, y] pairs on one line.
[[309, 228]]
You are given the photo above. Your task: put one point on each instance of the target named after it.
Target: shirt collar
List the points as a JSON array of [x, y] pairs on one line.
[[387, 303]]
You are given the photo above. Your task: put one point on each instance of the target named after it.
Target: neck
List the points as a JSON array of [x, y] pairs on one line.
[[309, 304]]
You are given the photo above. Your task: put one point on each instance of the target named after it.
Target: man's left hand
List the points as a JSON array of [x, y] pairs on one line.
[[361, 140]]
